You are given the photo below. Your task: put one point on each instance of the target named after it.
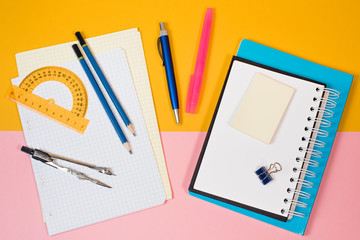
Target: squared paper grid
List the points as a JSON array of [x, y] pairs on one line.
[[69, 203], [130, 41]]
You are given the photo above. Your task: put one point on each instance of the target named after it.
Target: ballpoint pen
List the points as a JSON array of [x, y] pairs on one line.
[[50, 159], [165, 54], [105, 83], [102, 98]]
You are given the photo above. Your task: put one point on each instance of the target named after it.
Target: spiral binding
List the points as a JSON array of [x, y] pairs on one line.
[[302, 194], [325, 104], [293, 213], [316, 142], [306, 172], [298, 203], [321, 133], [310, 162], [304, 183]]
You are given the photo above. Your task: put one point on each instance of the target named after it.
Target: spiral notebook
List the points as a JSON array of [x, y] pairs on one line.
[[225, 173]]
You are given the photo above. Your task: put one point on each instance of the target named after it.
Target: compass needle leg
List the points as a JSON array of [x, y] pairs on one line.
[[49, 159]]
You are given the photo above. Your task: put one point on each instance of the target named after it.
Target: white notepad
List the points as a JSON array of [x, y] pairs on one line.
[[130, 41], [69, 203], [226, 168]]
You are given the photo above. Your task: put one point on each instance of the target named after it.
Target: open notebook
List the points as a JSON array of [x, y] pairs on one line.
[[69, 203], [225, 173]]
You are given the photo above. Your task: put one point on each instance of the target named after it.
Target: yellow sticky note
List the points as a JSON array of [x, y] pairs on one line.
[[262, 108]]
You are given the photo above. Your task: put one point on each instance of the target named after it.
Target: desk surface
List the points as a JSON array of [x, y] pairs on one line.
[[335, 214], [323, 31]]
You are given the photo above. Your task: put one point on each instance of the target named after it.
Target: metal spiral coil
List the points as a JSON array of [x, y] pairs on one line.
[[324, 107], [310, 162], [294, 213], [303, 182]]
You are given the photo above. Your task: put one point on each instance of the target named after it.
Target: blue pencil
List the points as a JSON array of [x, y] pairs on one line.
[[102, 98], [105, 83]]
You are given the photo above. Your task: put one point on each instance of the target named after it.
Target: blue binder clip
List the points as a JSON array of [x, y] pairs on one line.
[[265, 174]]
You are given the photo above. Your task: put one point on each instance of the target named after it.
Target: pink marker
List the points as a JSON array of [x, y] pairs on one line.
[[197, 77]]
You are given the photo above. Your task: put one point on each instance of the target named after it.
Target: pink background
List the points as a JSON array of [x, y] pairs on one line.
[[335, 214]]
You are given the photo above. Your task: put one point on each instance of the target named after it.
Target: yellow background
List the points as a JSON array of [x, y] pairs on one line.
[[323, 31]]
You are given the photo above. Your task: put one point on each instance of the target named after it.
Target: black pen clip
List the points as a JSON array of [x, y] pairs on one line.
[[160, 53]]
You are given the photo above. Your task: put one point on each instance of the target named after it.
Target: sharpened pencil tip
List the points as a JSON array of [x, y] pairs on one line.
[[131, 128], [127, 146]]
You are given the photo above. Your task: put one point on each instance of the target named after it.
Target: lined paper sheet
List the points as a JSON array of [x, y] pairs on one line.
[[69, 203], [130, 41]]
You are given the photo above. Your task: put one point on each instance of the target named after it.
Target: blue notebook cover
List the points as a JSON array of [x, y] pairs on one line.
[[334, 79]]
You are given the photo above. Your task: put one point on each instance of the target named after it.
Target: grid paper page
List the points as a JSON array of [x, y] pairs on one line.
[[130, 41], [69, 203]]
